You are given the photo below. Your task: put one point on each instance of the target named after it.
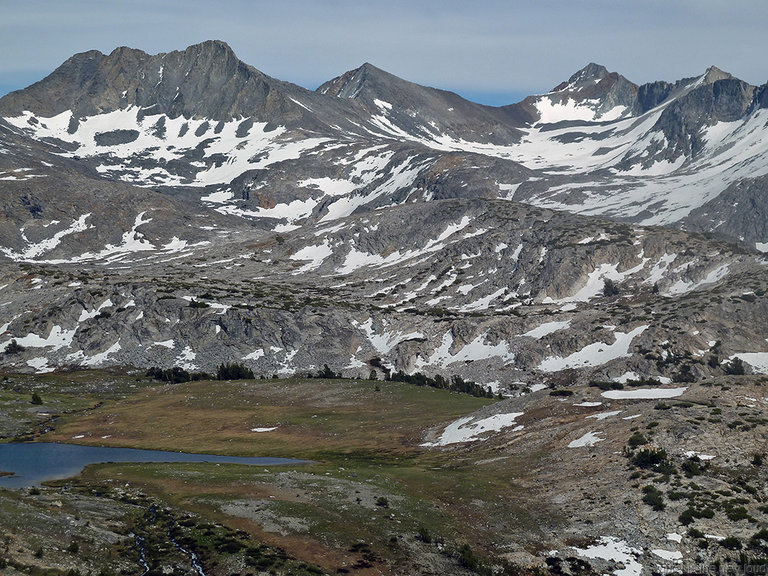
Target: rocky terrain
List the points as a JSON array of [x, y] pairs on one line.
[[375, 210], [184, 210]]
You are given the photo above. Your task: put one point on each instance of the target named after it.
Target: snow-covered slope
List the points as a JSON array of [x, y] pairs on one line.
[[264, 149]]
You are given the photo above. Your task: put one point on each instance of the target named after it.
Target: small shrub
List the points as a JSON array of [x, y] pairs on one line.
[[610, 288], [637, 439], [690, 513], [653, 497], [691, 467], [653, 459], [737, 513], [467, 558], [234, 371], [731, 543], [684, 374], [606, 385], [424, 535], [761, 536], [561, 392], [36, 399], [687, 517], [14, 348], [706, 513], [735, 367], [328, 374], [173, 375]]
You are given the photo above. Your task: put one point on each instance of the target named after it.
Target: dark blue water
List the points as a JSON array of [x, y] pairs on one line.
[[33, 463]]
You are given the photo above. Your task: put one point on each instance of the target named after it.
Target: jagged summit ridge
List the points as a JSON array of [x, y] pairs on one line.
[[205, 80]]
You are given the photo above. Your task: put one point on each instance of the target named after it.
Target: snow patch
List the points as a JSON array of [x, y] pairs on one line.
[[644, 393], [102, 357], [669, 555], [699, 455], [589, 439], [604, 415], [468, 429], [757, 360], [477, 349], [57, 338], [185, 358], [615, 550], [40, 365], [547, 328], [594, 354], [316, 255]]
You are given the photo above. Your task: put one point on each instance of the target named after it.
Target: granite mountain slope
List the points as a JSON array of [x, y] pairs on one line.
[[186, 209]]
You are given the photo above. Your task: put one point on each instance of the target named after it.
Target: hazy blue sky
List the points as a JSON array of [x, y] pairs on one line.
[[493, 51]]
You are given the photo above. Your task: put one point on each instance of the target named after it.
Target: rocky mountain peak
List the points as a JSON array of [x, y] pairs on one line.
[[210, 46], [205, 80], [588, 76], [713, 74], [352, 83], [601, 95]]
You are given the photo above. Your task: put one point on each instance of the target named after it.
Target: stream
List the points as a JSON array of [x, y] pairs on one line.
[[140, 545]]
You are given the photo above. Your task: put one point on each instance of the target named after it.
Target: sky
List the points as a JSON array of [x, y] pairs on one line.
[[490, 51]]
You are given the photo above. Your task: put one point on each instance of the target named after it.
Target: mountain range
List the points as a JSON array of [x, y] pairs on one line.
[[590, 262], [186, 209]]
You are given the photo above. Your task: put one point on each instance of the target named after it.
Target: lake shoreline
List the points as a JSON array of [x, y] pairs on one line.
[[32, 463]]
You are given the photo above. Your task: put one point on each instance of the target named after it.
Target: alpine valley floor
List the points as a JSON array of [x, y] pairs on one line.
[[402, 480]]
